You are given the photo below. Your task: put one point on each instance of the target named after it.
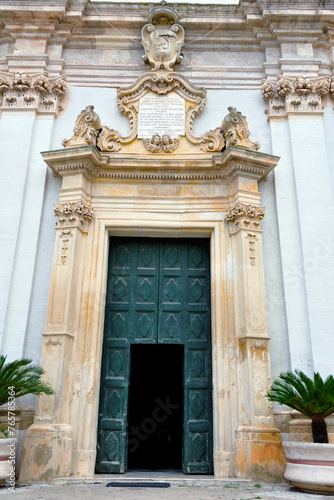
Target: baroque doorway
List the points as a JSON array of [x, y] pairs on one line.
[[156, 378]]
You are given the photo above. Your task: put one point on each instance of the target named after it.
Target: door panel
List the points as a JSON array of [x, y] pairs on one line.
[[158, 292]]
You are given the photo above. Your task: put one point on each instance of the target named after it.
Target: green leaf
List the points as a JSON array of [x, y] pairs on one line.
[[25, 377]]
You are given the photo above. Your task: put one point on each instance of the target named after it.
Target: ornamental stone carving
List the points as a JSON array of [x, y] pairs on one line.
[[86, 128], [36, 92], [73, 214], [236, 132], [291, 95], [246, 216], [161, 144], [162, 38]]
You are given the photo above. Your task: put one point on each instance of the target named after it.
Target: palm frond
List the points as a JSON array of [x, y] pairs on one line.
[[24, 376], [314, 398]]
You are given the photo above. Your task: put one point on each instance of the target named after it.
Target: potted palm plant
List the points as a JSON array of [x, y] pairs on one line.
[[310, 466], [18, 378]]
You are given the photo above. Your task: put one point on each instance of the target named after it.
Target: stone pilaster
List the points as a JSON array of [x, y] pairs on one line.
[[48, 443], [259, 453]]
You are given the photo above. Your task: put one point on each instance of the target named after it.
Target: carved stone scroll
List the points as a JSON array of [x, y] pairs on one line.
[[246, 216], [86, 129], [36, 92], [73, 214], [288, 94], [235, 130]]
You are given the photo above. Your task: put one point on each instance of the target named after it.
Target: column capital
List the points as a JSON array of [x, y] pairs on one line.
[[73, 214], [246, 216], [40, 93], [295, 95]]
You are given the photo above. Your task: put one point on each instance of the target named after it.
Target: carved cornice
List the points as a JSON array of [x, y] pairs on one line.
[[246, 216], [21, 91], [73, 214], [294, 95], [233, 162], [236, 132]]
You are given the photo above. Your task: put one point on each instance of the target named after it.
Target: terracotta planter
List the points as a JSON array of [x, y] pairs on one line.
[[7, 452], [310, 466]]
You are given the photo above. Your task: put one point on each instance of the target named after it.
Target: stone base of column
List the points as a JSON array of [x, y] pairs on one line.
[[223, 464], [260, 453], [83, 463], [47, 453]]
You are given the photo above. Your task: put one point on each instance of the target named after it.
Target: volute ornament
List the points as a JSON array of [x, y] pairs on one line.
[[162, 39], [86, 128], [235, 130]]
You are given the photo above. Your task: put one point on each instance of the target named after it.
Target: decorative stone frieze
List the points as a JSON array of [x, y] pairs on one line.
[[36, 92], [162, 39], [75, 214], [235, 130], [160, 144], [246, 216], [291, 95]]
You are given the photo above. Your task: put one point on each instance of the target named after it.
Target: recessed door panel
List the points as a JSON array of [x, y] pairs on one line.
[[158, 292]]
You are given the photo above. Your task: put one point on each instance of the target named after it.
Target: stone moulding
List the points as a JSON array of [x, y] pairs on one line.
[[73, 214], [294, 95], [92, 164], [246, 216], [37, 92]]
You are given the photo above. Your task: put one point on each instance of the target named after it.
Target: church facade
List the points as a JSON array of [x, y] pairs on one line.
[[168, 243]]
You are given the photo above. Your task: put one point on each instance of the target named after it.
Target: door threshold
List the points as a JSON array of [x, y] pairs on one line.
[[176, 478]]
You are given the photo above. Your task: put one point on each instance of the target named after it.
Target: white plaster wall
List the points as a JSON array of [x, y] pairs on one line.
[[14, 166]]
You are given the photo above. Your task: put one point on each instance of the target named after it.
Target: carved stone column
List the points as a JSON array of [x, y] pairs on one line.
[[48, 444]]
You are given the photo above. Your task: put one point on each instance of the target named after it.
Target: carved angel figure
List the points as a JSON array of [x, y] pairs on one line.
[[159, 144], [154, 144], [169, 144]]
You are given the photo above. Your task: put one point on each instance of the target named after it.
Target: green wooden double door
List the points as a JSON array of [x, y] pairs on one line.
[[158, 295]]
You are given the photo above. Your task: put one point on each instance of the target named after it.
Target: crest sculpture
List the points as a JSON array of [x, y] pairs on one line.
[[162, 38], [161, 104]]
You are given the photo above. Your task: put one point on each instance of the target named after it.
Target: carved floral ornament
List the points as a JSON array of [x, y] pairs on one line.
[[37, 92], [301, 94], [73, 214], [246, 216]]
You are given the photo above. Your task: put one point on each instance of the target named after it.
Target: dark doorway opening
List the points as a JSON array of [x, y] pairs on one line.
[[155, 407]]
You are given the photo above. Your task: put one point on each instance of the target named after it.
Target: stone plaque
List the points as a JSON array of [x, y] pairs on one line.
[[161, 115]]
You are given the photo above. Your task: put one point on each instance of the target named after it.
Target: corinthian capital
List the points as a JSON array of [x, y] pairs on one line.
[[246, 216], [291, 95], [73, 214], [36, 92]]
